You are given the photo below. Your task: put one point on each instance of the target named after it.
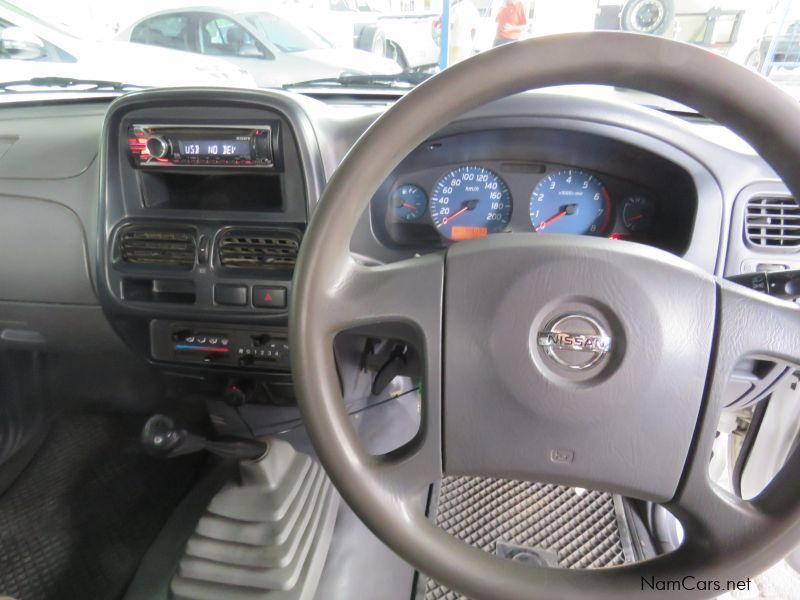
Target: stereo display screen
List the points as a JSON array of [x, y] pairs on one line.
[[214, 147]]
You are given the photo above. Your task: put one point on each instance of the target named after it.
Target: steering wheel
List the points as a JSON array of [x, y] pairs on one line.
[[507, 391]]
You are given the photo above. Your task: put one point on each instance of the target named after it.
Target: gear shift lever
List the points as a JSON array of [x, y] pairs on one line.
[[162, 438]]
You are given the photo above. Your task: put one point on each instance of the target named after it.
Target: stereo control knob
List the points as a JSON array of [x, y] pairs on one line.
[[157, 146]]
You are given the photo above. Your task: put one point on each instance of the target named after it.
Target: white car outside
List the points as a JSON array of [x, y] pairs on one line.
[[31, 48], [272, 47], [406, 37]]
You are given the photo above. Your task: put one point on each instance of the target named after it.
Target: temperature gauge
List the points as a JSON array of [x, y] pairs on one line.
[[409, 202], [638, 213]]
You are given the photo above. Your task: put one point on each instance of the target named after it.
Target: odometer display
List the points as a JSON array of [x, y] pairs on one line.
[[570, 201], [469, 202]]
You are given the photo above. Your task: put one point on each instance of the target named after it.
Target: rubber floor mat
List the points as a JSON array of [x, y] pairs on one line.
[[562, 526], [78, 520]]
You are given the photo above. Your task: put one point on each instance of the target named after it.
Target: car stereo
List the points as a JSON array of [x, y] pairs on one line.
[[165, 146]]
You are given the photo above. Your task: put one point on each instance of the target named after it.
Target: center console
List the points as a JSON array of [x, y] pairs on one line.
[[206, 197]]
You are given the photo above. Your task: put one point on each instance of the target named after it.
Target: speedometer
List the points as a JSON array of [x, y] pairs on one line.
[[470, 202], [570, 201]]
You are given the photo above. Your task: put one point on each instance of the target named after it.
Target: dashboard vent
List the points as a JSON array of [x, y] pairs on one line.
[[162, 246], [253, 249], [772, 222]]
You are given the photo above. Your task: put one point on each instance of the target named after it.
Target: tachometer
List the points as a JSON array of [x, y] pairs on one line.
[[570, 201], [470, 202]]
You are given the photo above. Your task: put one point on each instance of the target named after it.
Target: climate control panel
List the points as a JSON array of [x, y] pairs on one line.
[[221, 345]]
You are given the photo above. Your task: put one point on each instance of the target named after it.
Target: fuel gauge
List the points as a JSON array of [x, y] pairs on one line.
[[409, 202], [638, 213]]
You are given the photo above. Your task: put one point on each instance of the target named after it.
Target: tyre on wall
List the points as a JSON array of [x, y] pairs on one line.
[[653, 17]]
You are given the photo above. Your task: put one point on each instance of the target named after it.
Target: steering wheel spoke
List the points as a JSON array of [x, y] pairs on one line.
[[400, 300], [406, 292], [749, 324], [754, 325]]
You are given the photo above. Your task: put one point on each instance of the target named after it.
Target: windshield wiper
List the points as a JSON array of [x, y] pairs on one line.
[[65, 83], [404, 79]]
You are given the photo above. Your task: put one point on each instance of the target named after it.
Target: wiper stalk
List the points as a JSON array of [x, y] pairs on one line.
[[404, 79]]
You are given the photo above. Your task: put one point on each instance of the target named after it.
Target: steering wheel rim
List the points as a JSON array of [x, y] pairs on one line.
[[726, 538]]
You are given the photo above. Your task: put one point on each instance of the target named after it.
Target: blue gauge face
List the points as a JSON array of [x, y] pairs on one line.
[[570, 201], [409, 202], [470, 202]]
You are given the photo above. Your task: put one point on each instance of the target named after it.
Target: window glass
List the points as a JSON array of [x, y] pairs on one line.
[[3, 25], [222, 37], [168, 31], [400, 42], [286, 36]]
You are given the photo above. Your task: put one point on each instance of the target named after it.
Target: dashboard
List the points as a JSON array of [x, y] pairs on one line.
[[172, 242], [534, 181], [137, 265]]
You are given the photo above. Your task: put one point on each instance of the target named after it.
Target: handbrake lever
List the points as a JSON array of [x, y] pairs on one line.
[[161, 437]]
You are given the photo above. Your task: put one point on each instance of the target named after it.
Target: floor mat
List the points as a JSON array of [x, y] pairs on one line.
[[573, 528], [78, 520]]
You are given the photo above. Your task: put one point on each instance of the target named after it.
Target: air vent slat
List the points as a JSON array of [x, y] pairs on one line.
[[782, 226], [266, 250], [762, 207], [157, 245], [772, 222]]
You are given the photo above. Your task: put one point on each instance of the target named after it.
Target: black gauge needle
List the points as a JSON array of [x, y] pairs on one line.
[[468, 205], [568, 209]]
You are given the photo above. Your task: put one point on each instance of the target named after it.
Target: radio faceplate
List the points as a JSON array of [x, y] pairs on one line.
[[164, 146]]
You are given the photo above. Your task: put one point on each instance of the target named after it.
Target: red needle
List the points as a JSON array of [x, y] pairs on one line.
[[636, 217], [446, 220], [408, 206], [551, 220]]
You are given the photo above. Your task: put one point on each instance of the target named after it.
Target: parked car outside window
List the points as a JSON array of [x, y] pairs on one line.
[[273, 48]]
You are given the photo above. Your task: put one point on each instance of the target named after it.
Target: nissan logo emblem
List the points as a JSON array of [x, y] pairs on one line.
[[575, 341]]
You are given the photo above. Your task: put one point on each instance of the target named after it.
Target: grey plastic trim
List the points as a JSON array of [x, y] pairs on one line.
[[44, 146], [262, 502], [44, 252], [743, 256], [117, 207], [218, 527], [228, 565], [270, 553], [56, 328], [49, 196]]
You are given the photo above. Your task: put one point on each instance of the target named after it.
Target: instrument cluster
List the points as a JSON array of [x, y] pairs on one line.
[[474, 200]]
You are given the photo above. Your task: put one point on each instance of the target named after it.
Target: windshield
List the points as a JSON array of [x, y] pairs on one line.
[[284, 35], [344, 44]]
